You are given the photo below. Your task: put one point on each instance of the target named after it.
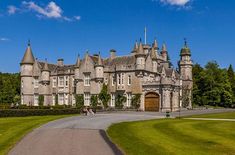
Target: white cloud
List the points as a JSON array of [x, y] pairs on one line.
[[175, 2], [52, 10], [11, 9], [4, 39], [77, 17]]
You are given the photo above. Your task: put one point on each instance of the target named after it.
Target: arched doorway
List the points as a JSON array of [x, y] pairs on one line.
[[151, 102]]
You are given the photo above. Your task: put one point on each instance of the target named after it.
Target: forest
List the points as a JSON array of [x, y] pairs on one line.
[[212, 86]]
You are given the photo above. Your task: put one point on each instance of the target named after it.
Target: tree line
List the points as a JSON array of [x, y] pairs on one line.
[[213, 85], [9, 88]]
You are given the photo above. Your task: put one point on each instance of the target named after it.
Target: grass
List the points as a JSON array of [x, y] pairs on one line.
[[176, 136], [12, 129], [228, 115]]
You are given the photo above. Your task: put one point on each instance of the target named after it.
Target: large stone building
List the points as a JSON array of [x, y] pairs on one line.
[[146, 71]]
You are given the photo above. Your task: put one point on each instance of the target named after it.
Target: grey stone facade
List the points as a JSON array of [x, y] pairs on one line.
[[145, 71]]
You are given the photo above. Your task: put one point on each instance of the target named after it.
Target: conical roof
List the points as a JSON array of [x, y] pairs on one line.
[[155, 44], [135, 49], [28, 56], [140, 50], [164, 47], [99, 63], [185, 50], [153, 54], [77, 62], [45, 67]]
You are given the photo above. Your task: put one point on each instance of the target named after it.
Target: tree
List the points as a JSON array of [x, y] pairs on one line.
[[41, 100], [16, 99], [79, 101], [94, 101], [104, 96], [231, 78], [119, 100], [135, 101]]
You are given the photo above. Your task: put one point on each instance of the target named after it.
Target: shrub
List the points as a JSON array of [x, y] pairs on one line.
[[36, 112]]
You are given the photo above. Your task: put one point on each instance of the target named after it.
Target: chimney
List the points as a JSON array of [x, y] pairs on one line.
[[60, 62], [112, 54]]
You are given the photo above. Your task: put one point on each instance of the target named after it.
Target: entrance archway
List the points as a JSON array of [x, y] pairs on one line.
[[151, 102]]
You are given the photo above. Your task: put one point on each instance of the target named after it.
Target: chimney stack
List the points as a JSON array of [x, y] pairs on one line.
[[112, 54], [60, 62]]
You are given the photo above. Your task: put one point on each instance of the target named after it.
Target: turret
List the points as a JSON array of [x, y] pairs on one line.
[[27, 80], [154, 59], [164, 52], [45, 74], [185, 66], [135, 49], [140, 57], [45, 87], [99, 69], [155, 45], [76, 68]]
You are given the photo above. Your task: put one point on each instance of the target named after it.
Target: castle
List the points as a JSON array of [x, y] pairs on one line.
[[145, 71]]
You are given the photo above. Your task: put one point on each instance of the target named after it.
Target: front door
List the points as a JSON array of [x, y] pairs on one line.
[[151, 102]]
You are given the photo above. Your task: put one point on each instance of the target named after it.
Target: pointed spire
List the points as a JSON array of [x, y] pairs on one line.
[[153, 54], [100, 63], [78, 61], [140, 49], [164, 47], [155, 44], [45, 68], [28, 56], [135, 46]]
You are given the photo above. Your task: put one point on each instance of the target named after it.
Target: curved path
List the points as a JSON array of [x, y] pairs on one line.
[[82, 135], [79, 135]]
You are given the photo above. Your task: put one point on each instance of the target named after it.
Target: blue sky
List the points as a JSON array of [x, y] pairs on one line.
[[62, 28]]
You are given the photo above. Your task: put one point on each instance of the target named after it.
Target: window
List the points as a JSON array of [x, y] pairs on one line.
[[87, 80], [61, 99], [106, 81], [53, 99], [36, 83], [86, 99], [122, 78], [61, 81], [112, 104], [113, 80], [73, 81], [66, 81], [129, 79], [128, 100], [22, 84], [54, 82], [66, 100], [35, 100], [118, 79]]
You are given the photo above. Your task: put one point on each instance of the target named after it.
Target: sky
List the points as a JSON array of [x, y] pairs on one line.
[[64, 29]]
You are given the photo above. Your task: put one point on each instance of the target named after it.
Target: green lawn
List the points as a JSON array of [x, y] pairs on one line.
[[175, 136], [12, 129], [228, 115]]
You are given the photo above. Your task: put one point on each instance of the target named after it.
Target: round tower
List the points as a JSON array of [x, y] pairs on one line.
[[99, 69], [140, 58], [26, 73], [45, 81], [164, 52], [185, 66]]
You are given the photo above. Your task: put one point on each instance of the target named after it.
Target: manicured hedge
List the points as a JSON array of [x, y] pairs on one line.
[[36, 112]]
